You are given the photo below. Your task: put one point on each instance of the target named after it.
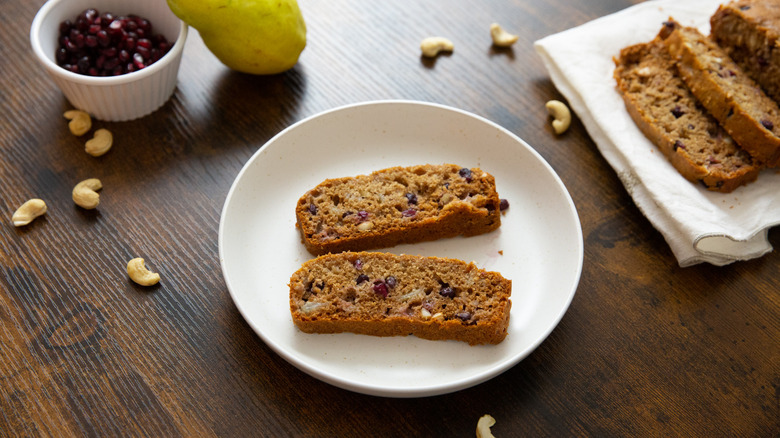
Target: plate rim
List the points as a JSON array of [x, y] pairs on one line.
[[415, 391]]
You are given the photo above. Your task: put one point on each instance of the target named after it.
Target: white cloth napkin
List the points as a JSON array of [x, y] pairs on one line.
[[699, 225]]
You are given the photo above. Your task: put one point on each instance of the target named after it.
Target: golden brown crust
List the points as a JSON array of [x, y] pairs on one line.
[[670, 116], [378, 211], [429, 297], [735, 100]]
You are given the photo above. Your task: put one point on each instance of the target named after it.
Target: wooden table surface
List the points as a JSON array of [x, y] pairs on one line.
[[646, 348]]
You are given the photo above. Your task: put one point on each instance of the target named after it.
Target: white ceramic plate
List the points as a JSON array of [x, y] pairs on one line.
[[539, 244]]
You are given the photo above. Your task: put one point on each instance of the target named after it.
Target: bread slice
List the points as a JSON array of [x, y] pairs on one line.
[[670, 116], [384, 294], [735, 100], [749, 32], [397, 205]]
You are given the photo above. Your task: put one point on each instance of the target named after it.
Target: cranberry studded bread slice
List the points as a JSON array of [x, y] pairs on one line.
[[397, 205], [735, 100], [384, 294], [670, 116], [749, 32]]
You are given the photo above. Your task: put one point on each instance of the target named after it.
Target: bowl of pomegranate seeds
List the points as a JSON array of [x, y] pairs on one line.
[[116, 60]]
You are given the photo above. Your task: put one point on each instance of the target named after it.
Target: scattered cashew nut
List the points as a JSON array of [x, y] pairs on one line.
[[561, 115], [140, 274], [100, 143], [80, 122], [28, 212], [483, 426], [502, 38], [85, 193], [432, 46]]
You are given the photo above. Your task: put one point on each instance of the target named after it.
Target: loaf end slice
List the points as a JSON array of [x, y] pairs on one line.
[[384, 294], [727, 92], [669, 115], [397, 205], [749, 32]]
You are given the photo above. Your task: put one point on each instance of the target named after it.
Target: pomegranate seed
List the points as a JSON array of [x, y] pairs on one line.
[[106, 19], [144, 25], [109, 52], [380, 288], [83, 64], [104, 44], [102, 38], [110, 63], [69, 46], [90, 15], [463, 316], [82, 24], [130, 43], [62, 56], [447, 291], [65, 27], [143, 52], [138, 61]]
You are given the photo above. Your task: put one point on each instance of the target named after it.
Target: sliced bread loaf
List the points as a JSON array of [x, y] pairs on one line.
[[749, 31], [397, 205], [723, 88], [383, 294], [670, 116]]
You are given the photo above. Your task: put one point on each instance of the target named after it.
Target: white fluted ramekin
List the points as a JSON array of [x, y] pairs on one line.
[[115, 98]]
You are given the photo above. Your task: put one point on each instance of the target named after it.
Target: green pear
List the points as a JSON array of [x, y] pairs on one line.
[[252, 36]]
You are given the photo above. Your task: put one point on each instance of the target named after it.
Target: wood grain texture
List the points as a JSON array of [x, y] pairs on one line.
[[646, 348]]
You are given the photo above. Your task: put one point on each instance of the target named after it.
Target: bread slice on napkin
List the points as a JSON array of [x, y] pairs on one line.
[[670, 116]]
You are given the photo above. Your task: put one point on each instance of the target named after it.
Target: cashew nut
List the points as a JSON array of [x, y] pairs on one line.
[[365, 226], [502, 38], [561, 115], [85, 193], [431, 46], [139, 274], [28, 212], [80, 122], [100, 143], [483, 426]]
